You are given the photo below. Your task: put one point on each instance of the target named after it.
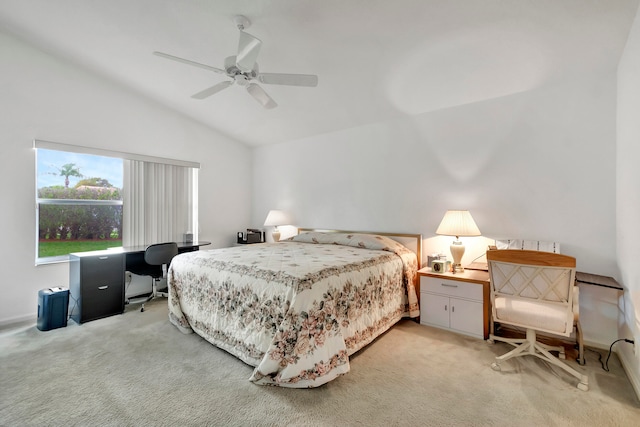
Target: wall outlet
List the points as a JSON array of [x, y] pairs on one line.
[[634, 343]]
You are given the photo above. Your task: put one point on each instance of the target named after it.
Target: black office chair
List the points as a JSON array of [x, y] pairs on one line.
[[159, 255]]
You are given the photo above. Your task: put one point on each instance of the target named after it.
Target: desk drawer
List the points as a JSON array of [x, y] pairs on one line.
[[96, 282], [103, 269], [454, 288], [99, 292]]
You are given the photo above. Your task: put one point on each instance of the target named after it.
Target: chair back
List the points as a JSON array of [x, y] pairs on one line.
[[538, 282], [160, 253]]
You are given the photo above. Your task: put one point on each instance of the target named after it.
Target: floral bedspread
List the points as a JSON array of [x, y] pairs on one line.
[[294, 310]]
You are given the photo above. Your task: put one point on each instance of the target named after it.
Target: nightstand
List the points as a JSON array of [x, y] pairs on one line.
[[458, 302]]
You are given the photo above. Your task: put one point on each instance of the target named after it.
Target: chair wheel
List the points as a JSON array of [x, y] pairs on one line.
[[495, 366]]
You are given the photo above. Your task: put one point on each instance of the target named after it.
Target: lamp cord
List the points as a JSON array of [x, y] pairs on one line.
[[479, 256]]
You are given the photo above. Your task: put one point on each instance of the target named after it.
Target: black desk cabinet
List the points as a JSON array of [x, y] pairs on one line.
[[96, 283]]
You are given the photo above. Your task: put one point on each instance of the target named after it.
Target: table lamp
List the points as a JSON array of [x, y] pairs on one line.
[[274, 219], [457, 223]]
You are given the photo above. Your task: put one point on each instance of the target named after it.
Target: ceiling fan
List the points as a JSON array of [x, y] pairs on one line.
[[243, 69]]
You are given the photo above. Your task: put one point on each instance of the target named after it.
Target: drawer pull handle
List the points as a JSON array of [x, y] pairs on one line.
[[449, 285], [102, 288], [103, 257]]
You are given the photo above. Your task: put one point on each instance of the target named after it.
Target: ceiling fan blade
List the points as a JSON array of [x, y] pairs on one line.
[[212, 90], [261, 96], [310, 80], [188, 62], [248, 50]]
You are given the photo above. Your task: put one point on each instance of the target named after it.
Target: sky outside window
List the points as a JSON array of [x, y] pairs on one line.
[[90, 166]]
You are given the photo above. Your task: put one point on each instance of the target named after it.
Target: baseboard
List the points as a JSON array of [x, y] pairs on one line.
[[17, 322], [598, 345], [632, 373]]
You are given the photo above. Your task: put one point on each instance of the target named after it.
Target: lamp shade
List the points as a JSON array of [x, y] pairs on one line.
[[458, 223], [276, 218]]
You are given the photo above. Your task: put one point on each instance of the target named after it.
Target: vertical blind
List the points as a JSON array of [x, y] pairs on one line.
[[159, 202]]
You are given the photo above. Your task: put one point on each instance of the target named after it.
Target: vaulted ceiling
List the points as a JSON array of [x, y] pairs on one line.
[[376, 60]]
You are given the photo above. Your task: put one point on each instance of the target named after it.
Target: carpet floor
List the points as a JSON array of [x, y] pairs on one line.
[[138, 369]]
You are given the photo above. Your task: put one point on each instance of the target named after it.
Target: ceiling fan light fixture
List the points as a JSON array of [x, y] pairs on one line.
[[242, 68], [241, 80]]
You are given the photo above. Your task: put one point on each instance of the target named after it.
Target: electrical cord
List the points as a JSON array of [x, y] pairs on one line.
[[482, 254], [75, 304], [478, 257], [605, 365], [128, 280]]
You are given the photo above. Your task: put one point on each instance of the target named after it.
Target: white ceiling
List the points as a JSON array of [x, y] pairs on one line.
[[377, 60]]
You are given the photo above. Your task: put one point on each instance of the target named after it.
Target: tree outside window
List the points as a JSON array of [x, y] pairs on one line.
[[79, 200]]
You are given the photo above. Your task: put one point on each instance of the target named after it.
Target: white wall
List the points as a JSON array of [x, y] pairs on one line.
[[628, 200], [42, 97], [535, 165]]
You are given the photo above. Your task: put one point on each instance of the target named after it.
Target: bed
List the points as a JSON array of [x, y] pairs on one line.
[[296, 310]]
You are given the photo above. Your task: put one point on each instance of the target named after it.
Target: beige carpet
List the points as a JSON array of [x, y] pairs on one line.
[[138, 369]]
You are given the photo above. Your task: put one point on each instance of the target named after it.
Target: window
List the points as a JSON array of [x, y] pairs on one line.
[[91, 199], [79, 203]]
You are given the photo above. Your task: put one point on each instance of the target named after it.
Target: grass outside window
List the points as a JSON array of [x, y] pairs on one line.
[[51, 248]]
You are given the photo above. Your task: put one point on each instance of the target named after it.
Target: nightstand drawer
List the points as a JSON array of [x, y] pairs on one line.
[[452, 288]]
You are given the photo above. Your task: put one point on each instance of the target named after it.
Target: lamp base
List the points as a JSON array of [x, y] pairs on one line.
[[457, 251], [276, 235]]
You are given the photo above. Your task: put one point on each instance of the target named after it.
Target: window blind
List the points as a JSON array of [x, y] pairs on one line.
[[159, 202]]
